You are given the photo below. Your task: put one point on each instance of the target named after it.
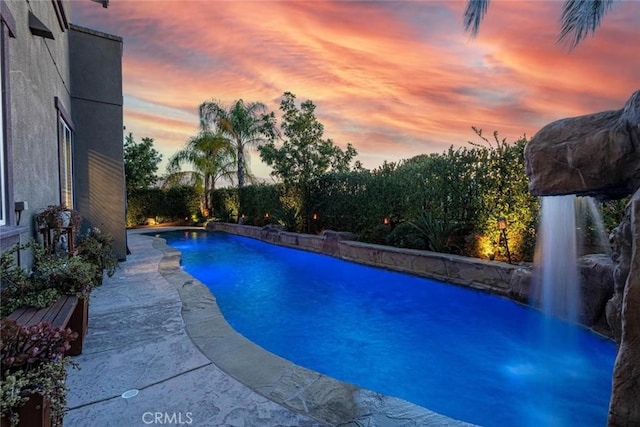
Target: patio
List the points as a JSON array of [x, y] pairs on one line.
[[137, 340]]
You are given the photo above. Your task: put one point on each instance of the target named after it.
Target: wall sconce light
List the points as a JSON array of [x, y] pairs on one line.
[[266, 214], [386, 221], [502, 226], [315, 216], [18, 208]]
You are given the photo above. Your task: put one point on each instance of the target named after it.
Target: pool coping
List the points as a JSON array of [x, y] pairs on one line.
[[297, 388]]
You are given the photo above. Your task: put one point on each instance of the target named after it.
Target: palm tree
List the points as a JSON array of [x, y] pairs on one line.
[[245, 124], [579, 18], [212, 156]]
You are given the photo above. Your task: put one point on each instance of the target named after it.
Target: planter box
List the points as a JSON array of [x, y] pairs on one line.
[[79, 323], [67, 312], [34, 413]]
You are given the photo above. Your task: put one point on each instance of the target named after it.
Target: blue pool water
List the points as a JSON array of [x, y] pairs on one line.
[[465, 354]]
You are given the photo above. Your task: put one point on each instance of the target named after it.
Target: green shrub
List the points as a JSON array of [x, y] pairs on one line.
[[613, 212], [472, 186], [289, 218], [173, 204], [405, 235], [376, 234], [436, 232]]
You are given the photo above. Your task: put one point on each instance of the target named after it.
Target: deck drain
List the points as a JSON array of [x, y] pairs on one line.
[[130, 393]]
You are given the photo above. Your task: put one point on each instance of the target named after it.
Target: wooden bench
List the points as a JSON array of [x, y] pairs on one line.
[[65, 313]]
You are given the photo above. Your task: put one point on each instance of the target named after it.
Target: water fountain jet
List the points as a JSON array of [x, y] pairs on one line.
[[594, 236], [557, 288]]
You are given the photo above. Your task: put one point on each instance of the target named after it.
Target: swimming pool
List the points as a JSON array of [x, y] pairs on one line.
[[465, 354]]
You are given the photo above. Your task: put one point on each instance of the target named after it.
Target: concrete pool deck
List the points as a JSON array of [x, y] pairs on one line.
[[156, 329]]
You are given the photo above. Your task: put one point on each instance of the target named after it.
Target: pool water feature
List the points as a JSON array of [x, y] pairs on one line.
[[591, 217], [556, 259], [556, 282], [462, 353]]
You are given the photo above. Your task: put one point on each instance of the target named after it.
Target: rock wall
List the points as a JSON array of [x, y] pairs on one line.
[[597, 154], [490, 276], [623, 312], [596, 283]]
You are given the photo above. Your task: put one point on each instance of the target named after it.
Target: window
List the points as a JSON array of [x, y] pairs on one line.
[[7, 30], [65, 151], [66, 164]]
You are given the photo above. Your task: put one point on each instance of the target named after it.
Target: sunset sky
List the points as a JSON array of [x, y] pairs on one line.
[[395, 79]]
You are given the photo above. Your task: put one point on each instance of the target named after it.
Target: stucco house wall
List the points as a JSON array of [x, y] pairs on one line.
[[38, 88], [96, 105], [39, 72]]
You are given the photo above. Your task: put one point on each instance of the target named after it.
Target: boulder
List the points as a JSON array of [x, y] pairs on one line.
[[332, 240], [270, 233], [595, 155], [596, 285], [520, 286], [622, 245], [624, 409]]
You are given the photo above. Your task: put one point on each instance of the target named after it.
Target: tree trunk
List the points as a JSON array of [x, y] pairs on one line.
[[212, 188], [207, 196], [240, 164]]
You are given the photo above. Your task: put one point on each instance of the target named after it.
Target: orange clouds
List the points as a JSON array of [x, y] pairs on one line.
[[395, 79]]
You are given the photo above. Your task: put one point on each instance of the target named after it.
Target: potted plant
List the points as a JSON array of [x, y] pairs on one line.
[[33, 371], [59, 219], [52, 276], [21, 288], [96, 247], [65, 274], [70, 275]]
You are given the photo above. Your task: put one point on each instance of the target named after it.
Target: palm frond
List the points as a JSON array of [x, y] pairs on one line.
[[208, 153], [473, 15], [581, 17], [206, 113], [436, 231], [189, 178]]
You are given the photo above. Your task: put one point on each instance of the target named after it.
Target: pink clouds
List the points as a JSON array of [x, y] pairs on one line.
[[395, 79]]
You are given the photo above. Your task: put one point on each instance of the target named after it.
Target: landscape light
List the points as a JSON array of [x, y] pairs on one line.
[[502, 223]]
